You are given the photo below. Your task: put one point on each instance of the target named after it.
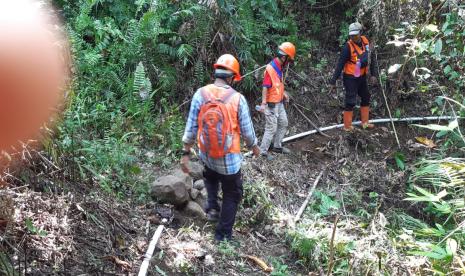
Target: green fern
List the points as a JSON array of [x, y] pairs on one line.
[[141, 83]]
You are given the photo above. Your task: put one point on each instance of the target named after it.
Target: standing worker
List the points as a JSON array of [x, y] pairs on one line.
[[273, 97], [218, 117], [354, 62]]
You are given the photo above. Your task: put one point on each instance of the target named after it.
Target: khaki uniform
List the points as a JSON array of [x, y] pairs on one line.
[[275, 128]]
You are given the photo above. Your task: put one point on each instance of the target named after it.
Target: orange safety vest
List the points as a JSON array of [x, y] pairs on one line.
[[355, 53], [218, 121], [275, 93]]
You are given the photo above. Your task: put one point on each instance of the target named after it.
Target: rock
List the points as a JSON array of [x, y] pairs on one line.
[[196, 171], [194, 209], [188, 181], [209, 261], [199, 184], [194, 193], [202, 198], [154, 219], [170, 189]]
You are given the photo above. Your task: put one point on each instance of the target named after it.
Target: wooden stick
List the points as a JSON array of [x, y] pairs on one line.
[[304, 205], [148, 255], [387, 105], [331, 246], [310, 121]]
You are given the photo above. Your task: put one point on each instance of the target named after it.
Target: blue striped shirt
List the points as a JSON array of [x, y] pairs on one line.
[[231, 163]]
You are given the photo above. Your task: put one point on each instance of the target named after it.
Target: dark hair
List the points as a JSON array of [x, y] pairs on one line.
[[281, 55], [223, 75]]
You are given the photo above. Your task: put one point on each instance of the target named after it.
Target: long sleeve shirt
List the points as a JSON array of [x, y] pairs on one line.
[[345, 57], [231, 163]]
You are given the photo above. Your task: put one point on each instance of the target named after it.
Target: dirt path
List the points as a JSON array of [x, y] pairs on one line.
[[361, 164]]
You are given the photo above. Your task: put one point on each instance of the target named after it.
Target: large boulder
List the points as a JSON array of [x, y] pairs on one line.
[[194, 209], [188, 181], [170, 189]]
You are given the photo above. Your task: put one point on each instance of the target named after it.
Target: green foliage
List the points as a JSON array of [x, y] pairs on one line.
[[325, 205], [313, 250], [435, 50], [399, 157], [32, 229], [257, 198], [279, 268], [227, 249], [135, 61], [6, 265], [438, 185]]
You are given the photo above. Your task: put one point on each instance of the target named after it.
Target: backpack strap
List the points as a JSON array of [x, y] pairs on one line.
[[227, 96], [208, 97], [352, 49]]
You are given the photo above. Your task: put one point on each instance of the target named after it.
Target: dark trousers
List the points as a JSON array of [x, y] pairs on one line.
[[231, 185], [355, 86]]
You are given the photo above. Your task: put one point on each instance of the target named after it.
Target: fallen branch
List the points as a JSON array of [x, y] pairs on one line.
[[307, 199], [260, 263], [148, 255], [376, 121], [310, 121]]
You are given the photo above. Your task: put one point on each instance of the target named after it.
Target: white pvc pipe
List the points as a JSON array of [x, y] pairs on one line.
[[149, 253], [376, 121]]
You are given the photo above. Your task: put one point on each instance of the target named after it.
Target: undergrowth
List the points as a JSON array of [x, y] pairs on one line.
[[136, 66]]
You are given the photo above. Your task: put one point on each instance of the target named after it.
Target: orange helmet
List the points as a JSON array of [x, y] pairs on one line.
[[229, 62], [288, 48]]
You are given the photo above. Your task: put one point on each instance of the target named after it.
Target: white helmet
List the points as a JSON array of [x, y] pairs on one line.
[[355, 28]]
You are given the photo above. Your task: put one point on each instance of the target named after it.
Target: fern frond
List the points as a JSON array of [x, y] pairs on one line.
[[139, 79]]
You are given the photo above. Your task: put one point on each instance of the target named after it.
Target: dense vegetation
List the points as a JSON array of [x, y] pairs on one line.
[[137, 63]]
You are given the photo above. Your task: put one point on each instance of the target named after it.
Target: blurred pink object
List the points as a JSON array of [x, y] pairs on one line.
[[34, 69]]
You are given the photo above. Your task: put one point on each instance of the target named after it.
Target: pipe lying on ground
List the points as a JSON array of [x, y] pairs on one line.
[[376, 121], [148, 255]]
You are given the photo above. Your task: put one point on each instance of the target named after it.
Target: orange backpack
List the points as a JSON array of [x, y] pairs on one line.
[[217, 135]]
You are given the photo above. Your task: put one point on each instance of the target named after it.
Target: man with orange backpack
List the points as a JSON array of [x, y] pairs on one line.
[[354, 62], [218, 117], [273, 98]]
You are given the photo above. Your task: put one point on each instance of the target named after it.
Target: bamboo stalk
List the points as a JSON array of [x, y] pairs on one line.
[[331, 247], [387, 105], [148, 255]]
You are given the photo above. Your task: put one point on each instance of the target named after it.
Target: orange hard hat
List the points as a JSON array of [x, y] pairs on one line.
[[33, 70], [288, 48], [229, 62]]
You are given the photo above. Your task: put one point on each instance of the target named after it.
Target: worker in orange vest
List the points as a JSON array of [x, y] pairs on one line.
[[354, 60], [273, 98], [218, 117]]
